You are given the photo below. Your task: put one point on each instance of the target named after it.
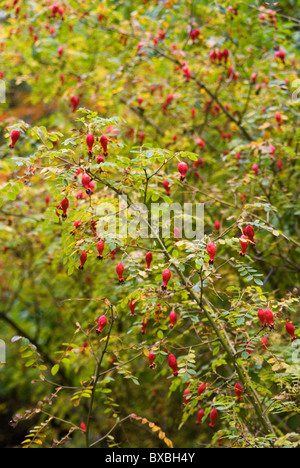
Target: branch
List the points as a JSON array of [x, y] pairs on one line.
[[40, 350], [96, 378]]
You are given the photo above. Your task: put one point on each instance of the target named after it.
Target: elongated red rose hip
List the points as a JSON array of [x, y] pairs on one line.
[[151, 359], [60, 51], [55, 9], [186, 397], [64, 204], [201, 389], [255, 169], [173, 318], [264, 343], [100, 248], [244, 241], [279, 165], [200, 416], [102, 322], [278, 117], [262, 316], [186, 71], [168, 101], [144, 324], [291, 330], [113, 253], [83, 259], [77, 173], [104, 143], [249, 232], [281, 55], [182, 168], [91, 188], [238, 391], [194, 34], [120, 271], [100, 159], [132, 306], [211, 250], [74, 101], [172, 363], [249, 347], [142, 136], [217, 226], [14, 137], [213, 417], [85, 181], [166, 278], [90, 140], [93, 225], [269, 318], [254, 78], [83, 427], [76, 226], [149, 259], [158, 312], [167, 187]]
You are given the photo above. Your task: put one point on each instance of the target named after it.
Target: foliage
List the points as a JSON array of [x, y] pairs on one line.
[[161, 97]]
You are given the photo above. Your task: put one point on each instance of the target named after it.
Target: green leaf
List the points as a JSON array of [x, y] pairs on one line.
[[55, 369]]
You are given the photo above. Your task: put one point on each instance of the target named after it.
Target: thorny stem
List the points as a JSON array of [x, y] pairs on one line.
[[96, 378]]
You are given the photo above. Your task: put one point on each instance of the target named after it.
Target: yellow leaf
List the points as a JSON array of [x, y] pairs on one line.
[[38, 442], [155, 428], [26, 441], [168, 442], [264, 126]]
